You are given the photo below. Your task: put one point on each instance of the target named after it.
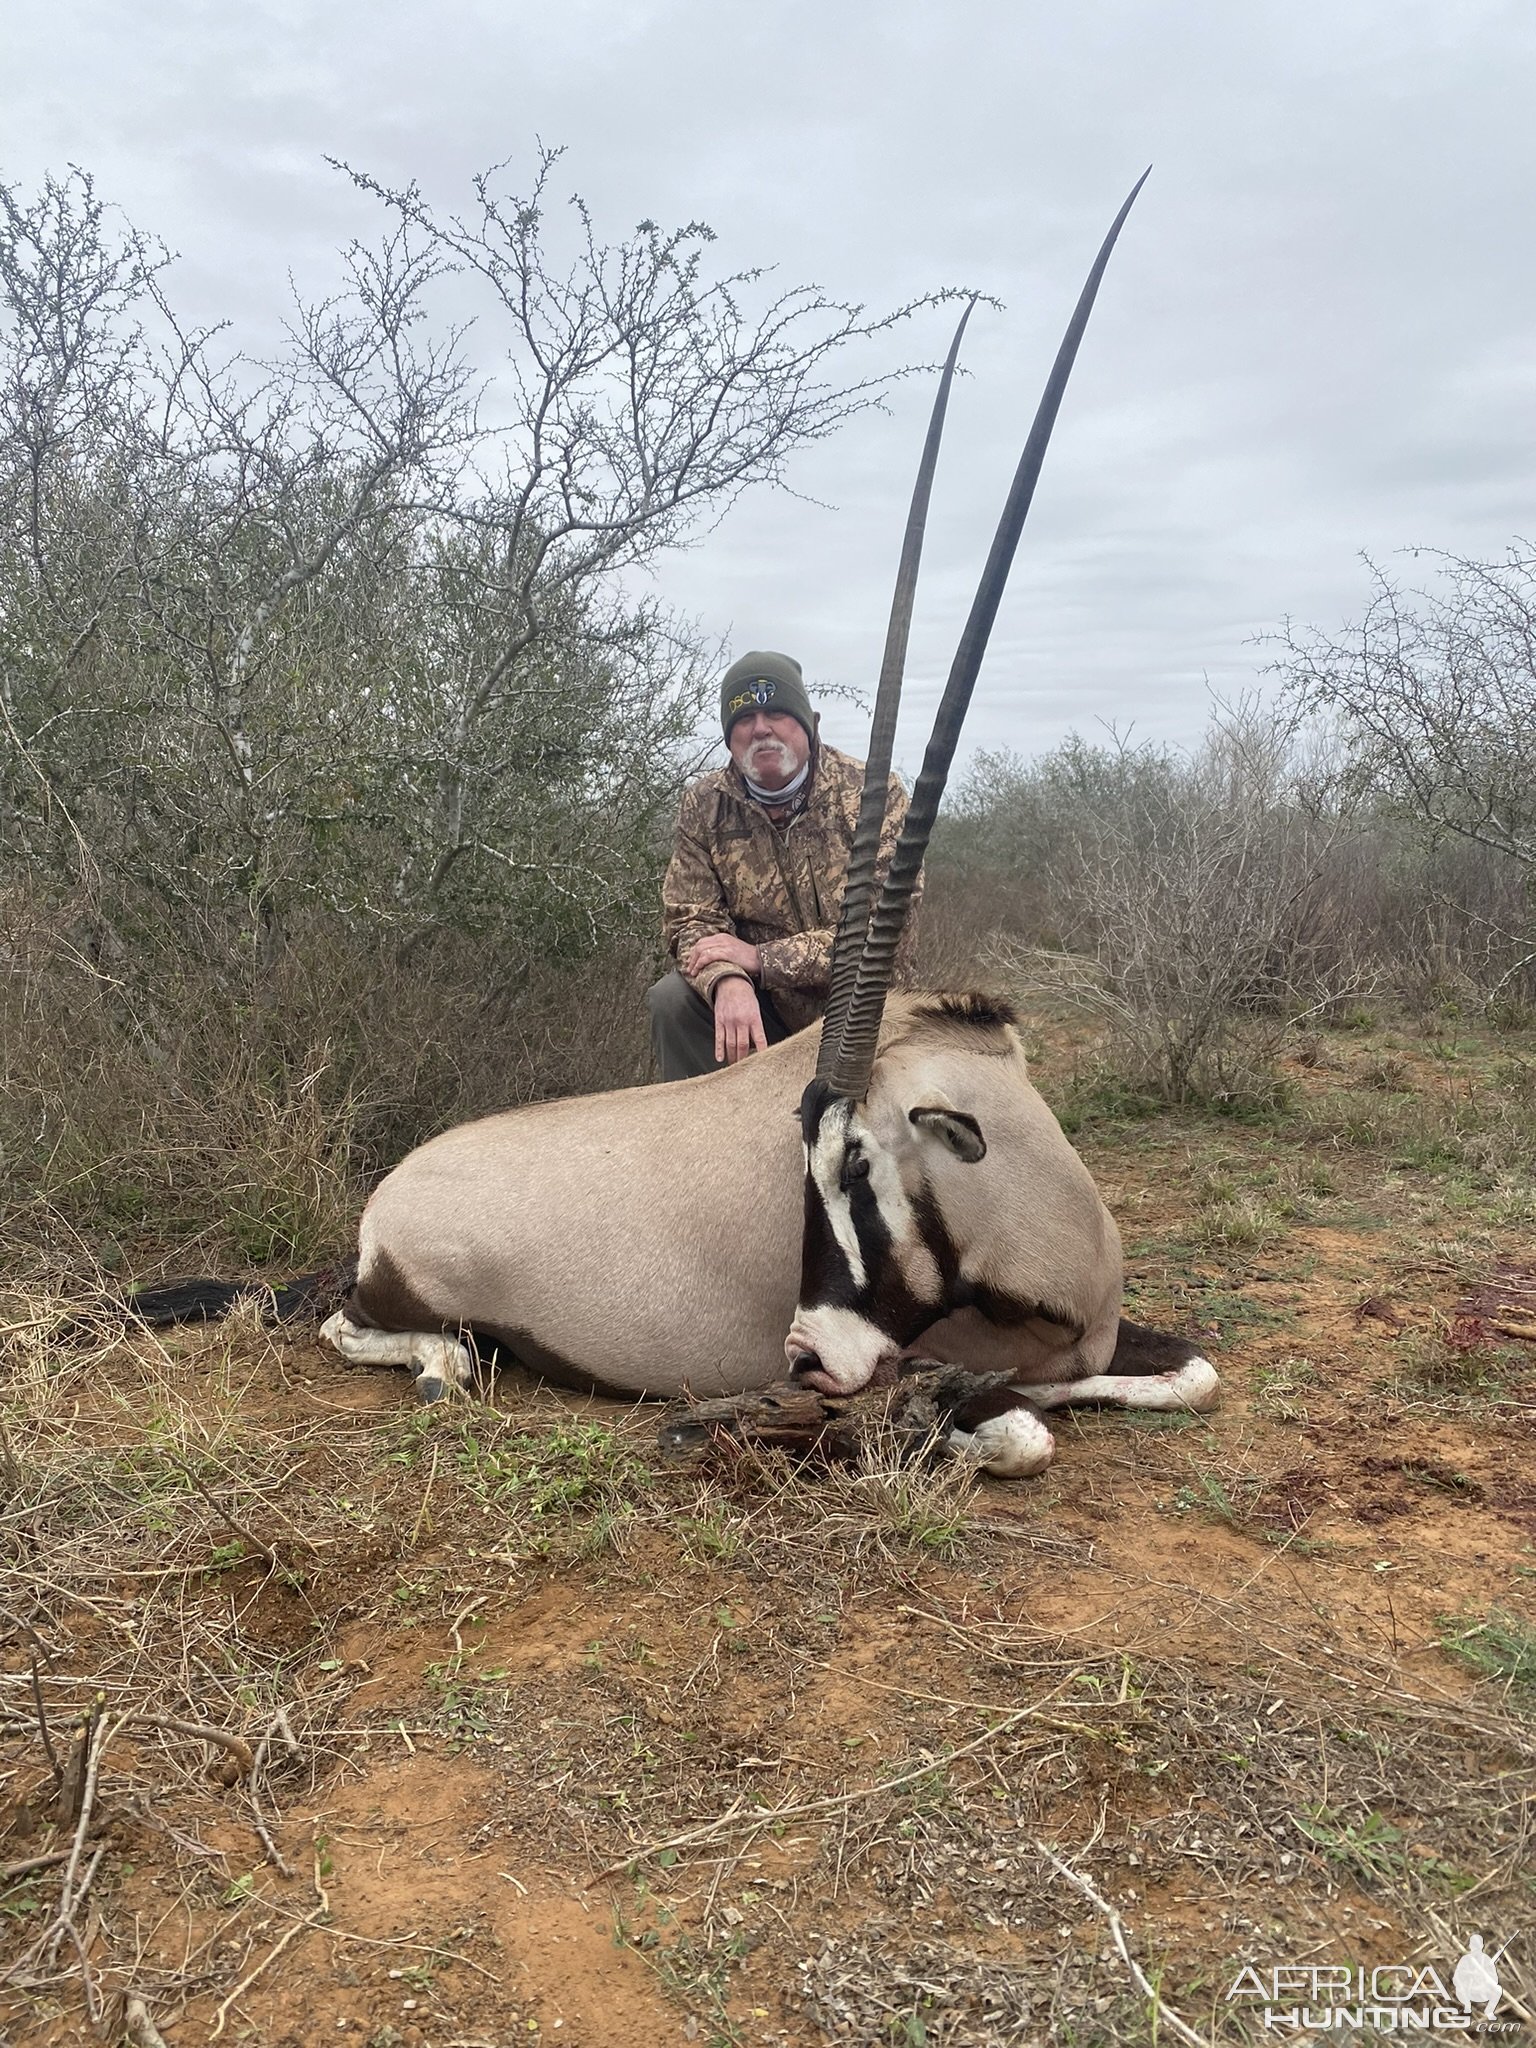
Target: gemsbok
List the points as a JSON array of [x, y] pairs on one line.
[[889, 1188]]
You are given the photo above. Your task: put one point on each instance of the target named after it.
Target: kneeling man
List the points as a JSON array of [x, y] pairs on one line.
[[755, 885]]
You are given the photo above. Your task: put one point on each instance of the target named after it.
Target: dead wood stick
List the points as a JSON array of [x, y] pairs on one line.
[[263, 1751], [72, 1779], [299, 1927], [9, 1872], [138, 2028], [274, 1854], [85, 1885], [675, 1842], [765, 1816], [39, 1648], [92, 2003], [263, 1549], [279, 1722], [321, 1913], [42, 1726], [1054, 1722], [21, 1622], [101, 1733], [284, 1727], [65, 1926], [198, 1731], [273, 1508], [1144, 1984]]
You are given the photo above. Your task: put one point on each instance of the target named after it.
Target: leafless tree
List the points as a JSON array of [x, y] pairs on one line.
[[1185, 899], [350, 628], [1434, 695]]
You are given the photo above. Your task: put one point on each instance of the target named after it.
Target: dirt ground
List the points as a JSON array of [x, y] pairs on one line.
[[487, 1724]]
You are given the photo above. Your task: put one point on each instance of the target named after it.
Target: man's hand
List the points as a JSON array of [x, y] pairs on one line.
[[738, 1019], [722, 946]]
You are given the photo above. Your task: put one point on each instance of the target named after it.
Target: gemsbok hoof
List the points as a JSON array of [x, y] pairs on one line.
[[438, 1364], [432, 1385], [1013, 1445]]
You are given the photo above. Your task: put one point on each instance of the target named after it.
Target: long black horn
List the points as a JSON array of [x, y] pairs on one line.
[[859, 887], [855, 1057]]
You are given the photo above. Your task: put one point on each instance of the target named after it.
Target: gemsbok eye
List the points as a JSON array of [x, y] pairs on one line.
[[856, 1167]]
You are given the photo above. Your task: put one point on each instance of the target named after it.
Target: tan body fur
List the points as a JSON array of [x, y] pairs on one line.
[[649, 1240]]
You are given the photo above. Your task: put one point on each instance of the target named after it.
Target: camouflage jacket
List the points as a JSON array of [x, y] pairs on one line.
[[778, 887]]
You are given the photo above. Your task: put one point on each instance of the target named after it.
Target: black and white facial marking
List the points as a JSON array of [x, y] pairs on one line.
[[877, 1265]]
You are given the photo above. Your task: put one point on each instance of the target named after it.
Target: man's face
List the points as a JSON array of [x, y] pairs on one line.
[[769, 746]]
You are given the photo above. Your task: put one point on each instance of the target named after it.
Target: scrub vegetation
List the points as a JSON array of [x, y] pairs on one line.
[[325, 820]]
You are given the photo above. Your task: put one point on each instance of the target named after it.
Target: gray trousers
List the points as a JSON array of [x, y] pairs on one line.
[[683, 1027]]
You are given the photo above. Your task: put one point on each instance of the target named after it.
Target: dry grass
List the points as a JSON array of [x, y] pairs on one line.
[[180, 1549], [803, 1744], [184, 1562], [233, 1114]]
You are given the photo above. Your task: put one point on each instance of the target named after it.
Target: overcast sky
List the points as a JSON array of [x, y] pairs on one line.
[[1318, 335]]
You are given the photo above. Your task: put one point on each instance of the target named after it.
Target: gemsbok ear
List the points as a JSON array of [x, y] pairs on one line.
[[961, 1133]]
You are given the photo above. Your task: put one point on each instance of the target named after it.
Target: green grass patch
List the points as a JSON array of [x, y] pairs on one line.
[[572, 1487], [1498, 1646], [1281, 1388], [1240, 1222], [1375, 1851], [1103, 1096], [1229, 1501]]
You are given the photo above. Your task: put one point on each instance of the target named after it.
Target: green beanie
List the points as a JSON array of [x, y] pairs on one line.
[[764, 682]]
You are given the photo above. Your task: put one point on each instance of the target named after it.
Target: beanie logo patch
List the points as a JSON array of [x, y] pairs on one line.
[[760, 693]]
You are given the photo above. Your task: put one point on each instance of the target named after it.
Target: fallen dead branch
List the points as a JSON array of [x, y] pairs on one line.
[[1143, 1983], [9, 1872], [275, 1855], [72, 1773], [310, 1920], [279, 1725], [101, 1734], [43, 1729], [283, 1941], [199, 1731], [139, 2030]]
